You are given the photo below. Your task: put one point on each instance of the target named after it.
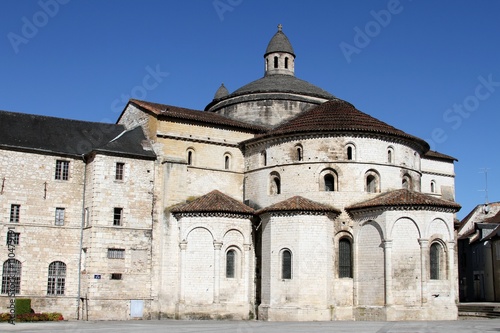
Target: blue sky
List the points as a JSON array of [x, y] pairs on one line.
[[430, 68]]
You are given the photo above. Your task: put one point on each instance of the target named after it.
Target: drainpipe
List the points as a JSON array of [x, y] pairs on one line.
[[81, 237]]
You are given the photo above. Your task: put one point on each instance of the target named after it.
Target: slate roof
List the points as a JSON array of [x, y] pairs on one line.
[[68, 137], [493, 219], [437, 155], [405, 200], [221, 92], [194, 115], [279, 43], [298, 203], [213, 202], [338, 116]]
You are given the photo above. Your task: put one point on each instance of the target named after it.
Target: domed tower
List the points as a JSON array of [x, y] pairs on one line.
[[276, 97], [280, 58]]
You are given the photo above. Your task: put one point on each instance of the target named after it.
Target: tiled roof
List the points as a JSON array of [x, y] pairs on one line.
[[437, 155], [195, 115], [298, 203], [279, 43], [494, 219], [69, 137], [213, 202], [405, 200], [339, 116]]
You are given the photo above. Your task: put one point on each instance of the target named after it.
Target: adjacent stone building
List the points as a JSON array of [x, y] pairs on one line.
[[279, 201]]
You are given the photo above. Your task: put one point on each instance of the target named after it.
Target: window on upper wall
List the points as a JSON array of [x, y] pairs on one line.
[[117, 216], [406, 182], [329, 182], [350, 152], [119, 168], [13, 237], [390, 155], [275, 62], [62, 170], [230, 263], [345, 258], [437, 261], [263, 158], [299, 152], [286, 264], [275, 184], [227, 161], [116, 253], [286, 62], [433, 186], [15, 211], [372, 182], [190, 156], [59, 216], [11, 277], [57, 278]]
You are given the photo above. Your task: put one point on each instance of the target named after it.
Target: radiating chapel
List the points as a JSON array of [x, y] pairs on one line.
[[278, 201]]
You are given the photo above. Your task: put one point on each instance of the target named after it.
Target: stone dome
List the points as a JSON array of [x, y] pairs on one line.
[[279, 43]]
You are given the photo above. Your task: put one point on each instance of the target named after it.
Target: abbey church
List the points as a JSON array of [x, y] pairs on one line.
[[277, 202]]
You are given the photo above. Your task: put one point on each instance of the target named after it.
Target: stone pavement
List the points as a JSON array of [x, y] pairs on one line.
[[180, 326]]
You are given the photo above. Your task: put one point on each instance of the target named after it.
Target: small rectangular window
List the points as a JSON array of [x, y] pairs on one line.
[[116, 276], [116, 253], [119, 171], [14, 213], [59, 216], [62, 170], [117, 216], [13, 237]]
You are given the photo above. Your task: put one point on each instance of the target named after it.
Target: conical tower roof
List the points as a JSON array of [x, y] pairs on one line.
[[279, 43]]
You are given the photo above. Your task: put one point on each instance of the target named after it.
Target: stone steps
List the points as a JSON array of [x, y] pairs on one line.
[[478, 310]]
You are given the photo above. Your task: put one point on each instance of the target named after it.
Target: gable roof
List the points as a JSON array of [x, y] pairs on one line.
[[68, 137], [405, 200], [194, 115], [213, 202], [338, 116], [298, 204]]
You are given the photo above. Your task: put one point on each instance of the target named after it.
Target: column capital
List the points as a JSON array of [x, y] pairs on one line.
[[423, 242], [183, 245], [387, 243], [217, 245], [247, 247]]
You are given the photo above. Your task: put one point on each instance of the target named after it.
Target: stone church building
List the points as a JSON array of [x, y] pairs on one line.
[[279, 201]]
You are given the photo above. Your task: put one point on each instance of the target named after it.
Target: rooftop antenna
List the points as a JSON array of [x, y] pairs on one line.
[[486, 208]]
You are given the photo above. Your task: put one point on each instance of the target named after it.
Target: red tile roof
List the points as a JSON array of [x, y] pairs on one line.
[[437, 155], [195, 115], [298, 203], [405, 200], [213, 202], [338, 116]]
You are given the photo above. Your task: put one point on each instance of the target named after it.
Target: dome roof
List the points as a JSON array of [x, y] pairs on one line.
[[279, 43], [221, 92], [339, 116], [282, 83]]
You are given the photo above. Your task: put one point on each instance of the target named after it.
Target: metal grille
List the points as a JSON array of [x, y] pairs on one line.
[[230, 261], [116, 253], [62, 170], [345, 259], [14, 213]]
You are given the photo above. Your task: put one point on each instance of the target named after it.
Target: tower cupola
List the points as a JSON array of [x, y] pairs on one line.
[[279, 56]]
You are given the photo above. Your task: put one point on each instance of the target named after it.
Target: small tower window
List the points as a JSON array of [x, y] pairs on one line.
[[390, 155], [227, 161], [372, 182], [433, 186], [275, 62], [329, 183], [263, 158], [350, 152], [275, 184], [406, 183], [286, 62], [190, 156], [299, 152]]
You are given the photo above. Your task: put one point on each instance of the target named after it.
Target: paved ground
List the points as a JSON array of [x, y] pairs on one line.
[[179, 326]]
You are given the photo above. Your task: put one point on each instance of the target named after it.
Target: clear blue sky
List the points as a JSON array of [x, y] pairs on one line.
[[430, 68]]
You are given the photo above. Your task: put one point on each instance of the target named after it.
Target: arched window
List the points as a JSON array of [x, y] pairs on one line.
[[275, 184], [263, 158], [390, 155], [433, 186], [345, 258], [299, 152], [11, 276], [227, 161], [286, 264], [190, 156], [286, 62], [350, 152], [57, 278], [406, 182], [329, 182], [230, 263], [437, 261], [372, 182], [275, 62]]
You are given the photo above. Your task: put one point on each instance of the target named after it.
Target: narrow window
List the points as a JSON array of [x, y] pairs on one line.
[[406, 183], [13, 237], [190, 157], [119, 171], [226, 162], [435, 261], [230, 263], [389, 156], [329, 182], [349, 153], [116, 253], [371, 184], [14, 213], [286, 265], [116, 276], [299, 153], [57, 278], [11, 277], [117, 216], [87, 217], [275, 184], [275, 62], [433, 187], [286, 62], [62, 170], [345, 258], [263, 155], [59, 216]]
